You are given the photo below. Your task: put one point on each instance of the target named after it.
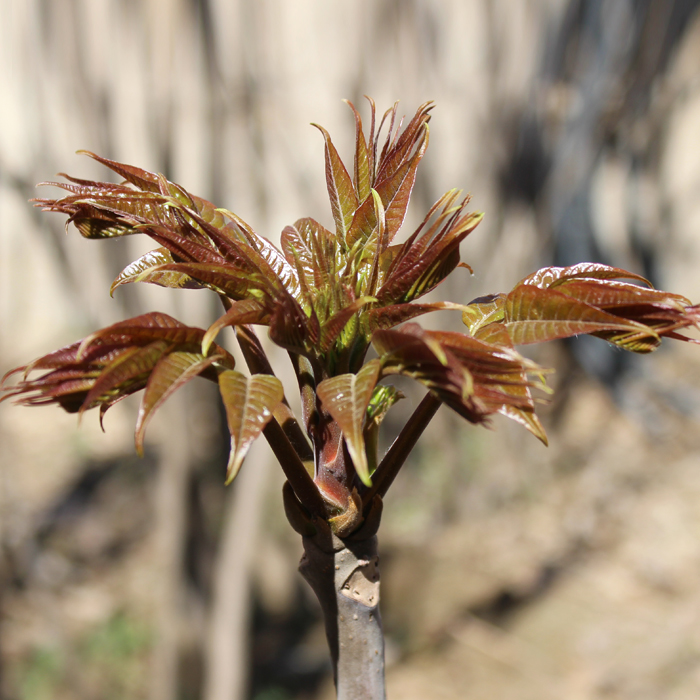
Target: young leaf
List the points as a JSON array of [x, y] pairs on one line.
[[346, 398], [385, 317], [553, 276], [170, 373], [126, 374], [241, 313], [535, 315], [148, 268], [340, 188], [292, 329], [249, 403], [310, 247], [361, 162], [332, 328], [483, 311]]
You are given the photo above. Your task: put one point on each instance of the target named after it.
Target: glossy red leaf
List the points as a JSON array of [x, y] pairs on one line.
[[553, 276], [385, 317], [169, 374], [126, 374], [362, 176], [536, 315], [148, 269], [241, 313], [346, 397], [249, 404], [340, 187]]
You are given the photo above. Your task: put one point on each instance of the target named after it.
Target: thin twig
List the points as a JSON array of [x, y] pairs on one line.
[[294, 469], [406, 440]]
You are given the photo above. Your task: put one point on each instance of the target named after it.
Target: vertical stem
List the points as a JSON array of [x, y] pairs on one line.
[[344, 574]]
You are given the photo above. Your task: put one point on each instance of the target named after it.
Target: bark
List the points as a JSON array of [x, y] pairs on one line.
[[344, 574]]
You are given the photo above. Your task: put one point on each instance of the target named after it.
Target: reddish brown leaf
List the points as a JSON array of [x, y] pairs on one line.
[[147, 269], [126, 374], [241, 313], [169, 374], [292, 329], [346, 398], [249, 403], [340, 187], [362, 165], [535, 315], [553, 276], [385, 317]]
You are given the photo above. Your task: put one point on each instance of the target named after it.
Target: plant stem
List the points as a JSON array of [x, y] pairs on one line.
[[299, 478], [406, 440], [344, 574]]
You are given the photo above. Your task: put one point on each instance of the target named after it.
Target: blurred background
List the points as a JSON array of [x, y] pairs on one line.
[[510, 571]]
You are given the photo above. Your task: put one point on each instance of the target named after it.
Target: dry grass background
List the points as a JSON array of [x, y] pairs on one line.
[[511, 571]]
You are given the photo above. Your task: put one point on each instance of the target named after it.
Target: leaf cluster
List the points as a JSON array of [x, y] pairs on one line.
[[327, 296]]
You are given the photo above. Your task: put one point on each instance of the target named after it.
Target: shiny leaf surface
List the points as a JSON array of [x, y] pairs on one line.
[[346, 397], [249, 403], [169, 374]]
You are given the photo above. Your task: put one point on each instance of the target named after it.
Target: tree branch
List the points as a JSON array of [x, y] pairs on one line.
[[406, 440], [294, 469]]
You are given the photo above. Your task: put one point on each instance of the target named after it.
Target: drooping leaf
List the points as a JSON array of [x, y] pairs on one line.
[[109, 364], [126, 374], [147, 269], [241, 313], [346, 397], [473, 377], [553, 276], [169, 374], [249, 403], [500, 374], [406, 351], [143, 330], [536, 315]]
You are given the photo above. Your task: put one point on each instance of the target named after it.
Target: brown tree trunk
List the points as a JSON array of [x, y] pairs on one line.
[[345, 577]]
